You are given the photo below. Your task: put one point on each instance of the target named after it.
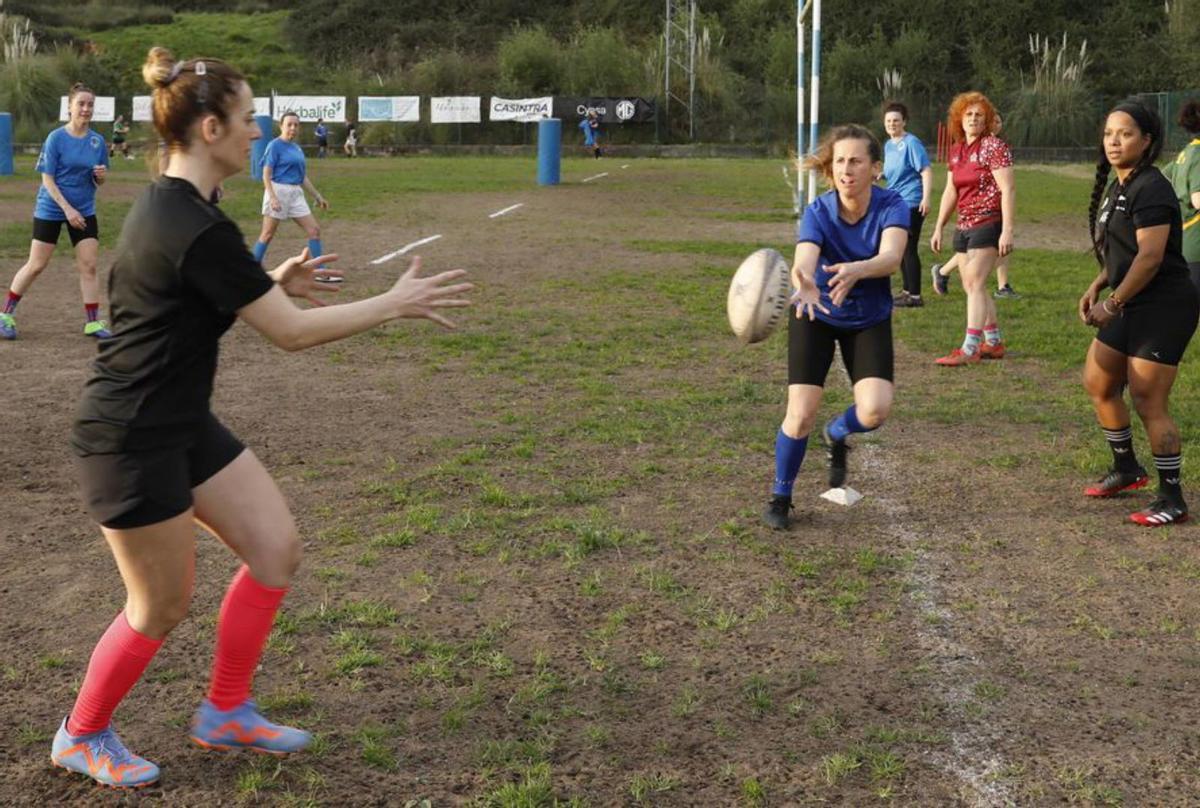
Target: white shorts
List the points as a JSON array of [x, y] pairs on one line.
[[292, 204]]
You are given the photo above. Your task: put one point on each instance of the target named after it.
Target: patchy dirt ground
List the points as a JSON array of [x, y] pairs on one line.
[[534, 566]]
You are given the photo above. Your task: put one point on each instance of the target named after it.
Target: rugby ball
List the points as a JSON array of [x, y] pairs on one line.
[[758, 295]]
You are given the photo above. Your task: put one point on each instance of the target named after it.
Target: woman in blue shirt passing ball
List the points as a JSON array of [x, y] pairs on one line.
[[850, 240], [285, 179], [73, 164]]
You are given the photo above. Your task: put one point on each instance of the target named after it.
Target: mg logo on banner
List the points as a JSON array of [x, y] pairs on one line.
[[626, 109]]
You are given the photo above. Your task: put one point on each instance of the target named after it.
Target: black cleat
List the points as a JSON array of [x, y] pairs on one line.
[[837, 459], [778, 513], [1161, 512], [941, 283], [1117, 481]]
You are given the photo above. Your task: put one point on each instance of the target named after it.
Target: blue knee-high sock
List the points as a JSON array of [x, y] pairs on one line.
[[847, 424], [260, 250], [789, 454], [315, 248]]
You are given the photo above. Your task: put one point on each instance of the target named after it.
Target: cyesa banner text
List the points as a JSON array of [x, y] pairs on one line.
[[610, 110]]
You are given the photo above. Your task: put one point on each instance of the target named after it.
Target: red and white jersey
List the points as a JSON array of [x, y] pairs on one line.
[[971, 168]]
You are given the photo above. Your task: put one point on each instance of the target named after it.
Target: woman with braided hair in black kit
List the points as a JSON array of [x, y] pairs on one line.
[[1147, 319]]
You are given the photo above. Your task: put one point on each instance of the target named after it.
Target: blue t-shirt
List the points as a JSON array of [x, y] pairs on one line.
[[321, 131], [590, 133], [870, 301], [286, 161], [903, 163], [69, 161]]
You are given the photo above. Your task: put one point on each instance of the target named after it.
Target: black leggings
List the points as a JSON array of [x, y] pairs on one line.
[[910, 265]]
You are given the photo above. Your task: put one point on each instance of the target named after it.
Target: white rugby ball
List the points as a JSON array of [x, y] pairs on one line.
[[758, 295]]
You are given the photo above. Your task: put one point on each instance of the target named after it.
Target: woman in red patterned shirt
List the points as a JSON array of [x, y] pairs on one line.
[[979, 185]]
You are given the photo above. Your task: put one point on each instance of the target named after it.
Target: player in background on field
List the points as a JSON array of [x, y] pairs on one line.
[[120, 133], [908, 172], [350, 147], [322, 133], [285, 177], [73, 164], [590, 126], [1147, 319], [1184, 175], [979, 185], [850, 240], [154, 462]]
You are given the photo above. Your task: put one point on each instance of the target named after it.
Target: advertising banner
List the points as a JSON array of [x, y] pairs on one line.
[[310, 108], [105, 111], [454, 109], [610, 110], [262, 106], [402, 108], [141, 108], [520, 109]]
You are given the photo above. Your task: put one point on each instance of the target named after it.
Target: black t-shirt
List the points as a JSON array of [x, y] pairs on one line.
[[1147, 201], [181, 272]]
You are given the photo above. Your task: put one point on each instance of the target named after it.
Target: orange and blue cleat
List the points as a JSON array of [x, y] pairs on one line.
[[244, 727], [102, 757]]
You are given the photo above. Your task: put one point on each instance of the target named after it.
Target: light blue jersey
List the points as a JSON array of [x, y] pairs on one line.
[[286, 161], [903, 163], [69, 161]]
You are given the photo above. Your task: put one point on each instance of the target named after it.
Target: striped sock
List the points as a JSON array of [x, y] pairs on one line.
[[1170, 469], [10, 304], [1120, 441], [992, 333], [91, 311], [971, 341], [789, 454]]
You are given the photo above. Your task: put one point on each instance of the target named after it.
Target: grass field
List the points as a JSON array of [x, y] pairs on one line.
[[534, 570]]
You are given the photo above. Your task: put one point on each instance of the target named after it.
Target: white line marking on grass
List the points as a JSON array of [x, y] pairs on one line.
[[509, 209], [595, 177], [625, 166], [385, 258]]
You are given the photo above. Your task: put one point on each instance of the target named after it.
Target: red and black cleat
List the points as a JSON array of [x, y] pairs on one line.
[[1160, 513], [1116, 481]]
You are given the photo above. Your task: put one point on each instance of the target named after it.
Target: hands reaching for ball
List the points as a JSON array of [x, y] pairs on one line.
[[807, 297], [843, 280], [300, 276], [421, 298]]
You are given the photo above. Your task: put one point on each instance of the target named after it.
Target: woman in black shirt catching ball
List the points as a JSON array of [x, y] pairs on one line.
[[154, 461], [1147, 320]]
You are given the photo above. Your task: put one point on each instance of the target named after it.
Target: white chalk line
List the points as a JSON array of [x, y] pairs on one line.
[[595, 177], [972, 757], [625, 166], [509, 209], [384, 258]]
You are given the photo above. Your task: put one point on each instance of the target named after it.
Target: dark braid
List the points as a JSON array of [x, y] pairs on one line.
[[1149, 123], [1097, 236]]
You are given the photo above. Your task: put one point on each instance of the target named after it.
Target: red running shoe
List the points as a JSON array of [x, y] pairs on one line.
[[957, 357], [1116, 481], [988, 350], [1160, 513]]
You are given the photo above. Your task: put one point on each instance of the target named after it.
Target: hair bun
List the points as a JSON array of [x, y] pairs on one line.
[[157, 70]]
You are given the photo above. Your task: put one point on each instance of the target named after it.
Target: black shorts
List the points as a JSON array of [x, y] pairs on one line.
[[1159, 332], [47, 230], [978, 238], [135, 489], [866, 352]]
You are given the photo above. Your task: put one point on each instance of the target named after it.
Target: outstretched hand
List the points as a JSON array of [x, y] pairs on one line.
[[299, 276], [421, 298], [807, 297]]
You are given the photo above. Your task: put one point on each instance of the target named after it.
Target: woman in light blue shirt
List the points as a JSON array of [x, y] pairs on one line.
[[907, 170]]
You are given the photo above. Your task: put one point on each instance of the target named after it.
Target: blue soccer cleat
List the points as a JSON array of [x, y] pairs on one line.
[[97, 329], [244, 727], [8, 326], [102, 757]]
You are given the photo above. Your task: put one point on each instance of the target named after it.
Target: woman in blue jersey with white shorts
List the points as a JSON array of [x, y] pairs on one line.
[[73, 164], [285, 179], [850, 241]]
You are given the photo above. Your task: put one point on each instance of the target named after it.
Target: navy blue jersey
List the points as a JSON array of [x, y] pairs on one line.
[[870, 301]]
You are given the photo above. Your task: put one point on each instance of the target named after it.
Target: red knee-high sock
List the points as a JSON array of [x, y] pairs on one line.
[[245, 622], [116, 665]]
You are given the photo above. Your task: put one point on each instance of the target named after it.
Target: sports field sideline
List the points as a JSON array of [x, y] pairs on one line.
[[534, 567]]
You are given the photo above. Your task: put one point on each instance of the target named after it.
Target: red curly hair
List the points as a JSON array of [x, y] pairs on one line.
[[959, 105]]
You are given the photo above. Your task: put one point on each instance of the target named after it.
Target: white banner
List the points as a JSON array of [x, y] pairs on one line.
[[330, 108], [141, 108], [403, 108], [262, 106], [520, 109], [104, 112], [454, 109]]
